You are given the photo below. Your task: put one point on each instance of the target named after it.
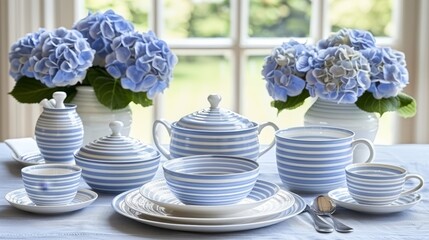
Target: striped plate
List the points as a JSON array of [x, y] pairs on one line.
[[19, 199], [120, 207], [159, 193], [32, 158], [342, 198], [282, 201]]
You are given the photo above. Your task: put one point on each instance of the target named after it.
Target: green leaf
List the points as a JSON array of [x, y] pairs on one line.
[[141, 98], [30, 90], [107, 89], [408, 106], [291, 102], [403, 104]]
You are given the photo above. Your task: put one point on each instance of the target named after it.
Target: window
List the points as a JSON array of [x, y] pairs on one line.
[[221, 45]]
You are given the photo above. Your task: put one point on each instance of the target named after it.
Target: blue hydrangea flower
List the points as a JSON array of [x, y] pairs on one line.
[[340, 74], [100, 29], [389, 74], [143, 62], [285, 69], [61, 58], [358, 39], [19, 54]]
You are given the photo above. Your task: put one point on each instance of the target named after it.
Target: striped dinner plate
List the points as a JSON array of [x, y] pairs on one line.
[[120, 207], [282, 201], [159, 193]]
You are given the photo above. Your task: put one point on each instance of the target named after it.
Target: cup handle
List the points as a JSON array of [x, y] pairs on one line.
[[167, 126], [368, 144], [416, 188], [261, 127]]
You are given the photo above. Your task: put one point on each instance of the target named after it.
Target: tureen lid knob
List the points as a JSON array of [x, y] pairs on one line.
[[214, 100], [116, 127]]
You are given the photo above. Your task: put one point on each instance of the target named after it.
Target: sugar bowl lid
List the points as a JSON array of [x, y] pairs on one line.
[[214, 118], [117, 148]]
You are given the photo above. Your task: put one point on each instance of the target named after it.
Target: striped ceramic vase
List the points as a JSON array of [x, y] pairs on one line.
[[59, 133], [348, 116]]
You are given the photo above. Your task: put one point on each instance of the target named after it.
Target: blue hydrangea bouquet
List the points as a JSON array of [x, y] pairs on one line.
[[103, 51], [346, 68]]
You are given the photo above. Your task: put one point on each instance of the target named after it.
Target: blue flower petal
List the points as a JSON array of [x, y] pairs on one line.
[[123, 54], [134, 74]]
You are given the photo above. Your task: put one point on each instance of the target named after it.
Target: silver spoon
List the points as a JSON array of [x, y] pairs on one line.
[[319, 224], [323, 205]]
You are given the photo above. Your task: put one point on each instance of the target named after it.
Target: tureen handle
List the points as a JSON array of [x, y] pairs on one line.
[[167, 125], [262, 126], [214, 100]]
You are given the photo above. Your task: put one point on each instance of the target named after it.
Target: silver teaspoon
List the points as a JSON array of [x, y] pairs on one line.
[[319, 224], [323, 205]]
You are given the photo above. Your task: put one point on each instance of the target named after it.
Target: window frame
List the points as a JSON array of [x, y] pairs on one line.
[[239, 45]]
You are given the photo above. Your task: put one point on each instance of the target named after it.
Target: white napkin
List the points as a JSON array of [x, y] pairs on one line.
[[21, 146]]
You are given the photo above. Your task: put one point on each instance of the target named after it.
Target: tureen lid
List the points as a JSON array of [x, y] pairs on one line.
[[214, 118], [117, 147]]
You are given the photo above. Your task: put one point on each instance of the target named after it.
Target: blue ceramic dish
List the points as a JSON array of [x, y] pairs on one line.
[[211, 180]]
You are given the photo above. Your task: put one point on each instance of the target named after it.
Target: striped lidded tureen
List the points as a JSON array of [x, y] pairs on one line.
[[213, 131], [117, 163]]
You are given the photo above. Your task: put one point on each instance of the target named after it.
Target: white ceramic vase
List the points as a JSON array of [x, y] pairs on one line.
[[96, 117], [349, 116]]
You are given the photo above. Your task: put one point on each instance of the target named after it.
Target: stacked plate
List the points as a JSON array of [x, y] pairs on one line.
[[154, 204]]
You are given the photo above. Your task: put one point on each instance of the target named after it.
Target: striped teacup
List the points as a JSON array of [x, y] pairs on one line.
[[378, 184], [312, 159]]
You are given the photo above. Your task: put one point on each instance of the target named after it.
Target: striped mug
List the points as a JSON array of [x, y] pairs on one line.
[[312, 159]]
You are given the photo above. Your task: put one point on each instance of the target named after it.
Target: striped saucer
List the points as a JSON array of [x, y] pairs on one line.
[[341, 197]]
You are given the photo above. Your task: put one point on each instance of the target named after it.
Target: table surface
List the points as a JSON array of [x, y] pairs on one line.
[[100, 221]]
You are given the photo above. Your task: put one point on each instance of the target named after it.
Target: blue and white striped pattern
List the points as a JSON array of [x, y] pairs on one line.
[[159, 193], [120, 207], [117, 148], [211, 180], [312, 159], [375, 184], [341, 197], [59, 133], [188, 142], [282, 201], [117, 163], [213, 131], [51, 184], [19, 199], [117, 176], [214, 118]]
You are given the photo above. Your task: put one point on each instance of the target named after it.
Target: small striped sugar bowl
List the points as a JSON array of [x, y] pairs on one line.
[[117, 163]]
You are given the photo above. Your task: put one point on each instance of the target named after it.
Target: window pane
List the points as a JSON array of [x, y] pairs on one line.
[[141, 128], [134, 11], [279, 18], [196, 18], [372, 15], [196, 77]]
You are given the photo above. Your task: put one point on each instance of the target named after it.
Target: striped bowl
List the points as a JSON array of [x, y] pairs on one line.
[[59, 133], [312, 159], [51, 184], [378, 184], [117, 163], [211, 180]]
